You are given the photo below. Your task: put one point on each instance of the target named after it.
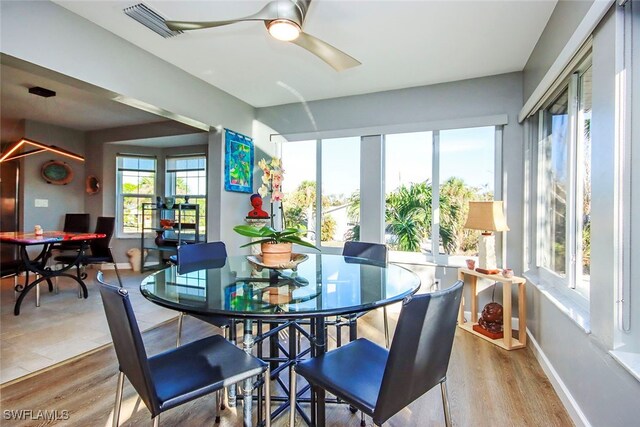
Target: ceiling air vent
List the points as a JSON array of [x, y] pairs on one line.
[[150, 19]]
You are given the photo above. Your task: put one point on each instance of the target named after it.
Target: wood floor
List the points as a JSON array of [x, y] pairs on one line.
[[487, 387]]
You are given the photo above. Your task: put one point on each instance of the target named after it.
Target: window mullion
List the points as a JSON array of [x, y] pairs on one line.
[[540, 248], [435, 195], [571, 229], [319, 212]]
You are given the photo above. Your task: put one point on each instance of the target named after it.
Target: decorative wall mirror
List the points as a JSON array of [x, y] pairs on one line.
[[92, 185], [56, 172]]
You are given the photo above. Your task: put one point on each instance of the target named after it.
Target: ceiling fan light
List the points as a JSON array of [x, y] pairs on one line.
[[284, 29]]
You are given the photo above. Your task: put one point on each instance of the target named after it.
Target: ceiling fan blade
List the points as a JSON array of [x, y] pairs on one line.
[[339, 60], [269, 12]]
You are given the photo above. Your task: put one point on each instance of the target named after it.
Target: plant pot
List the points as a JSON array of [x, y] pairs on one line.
[[275, 253]]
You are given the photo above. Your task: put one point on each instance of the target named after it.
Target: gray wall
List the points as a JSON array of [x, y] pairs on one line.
[[563, 21], [61, 198], [66, 43], [69, 44], [606, 394]]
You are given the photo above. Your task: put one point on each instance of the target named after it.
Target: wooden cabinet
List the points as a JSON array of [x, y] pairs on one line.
[[508, 342]]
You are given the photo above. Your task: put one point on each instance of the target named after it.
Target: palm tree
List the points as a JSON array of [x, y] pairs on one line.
[[408, 215]]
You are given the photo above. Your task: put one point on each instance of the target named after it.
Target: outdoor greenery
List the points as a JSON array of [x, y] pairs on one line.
[[299, 210], [144, 190], [408, 214]]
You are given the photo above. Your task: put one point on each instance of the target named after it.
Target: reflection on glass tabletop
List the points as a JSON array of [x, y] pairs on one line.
[[322, 285]]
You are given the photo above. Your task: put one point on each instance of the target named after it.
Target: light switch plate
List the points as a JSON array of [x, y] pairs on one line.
[[41, 203]]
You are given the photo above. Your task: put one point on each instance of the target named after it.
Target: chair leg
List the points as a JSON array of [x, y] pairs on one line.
[[292, 397], [445, 403], [116, 408], [115, 266], [15, 286], [180, 316], [79, 272], [216, 397], [37, 293], [386, 326], [156, 421], [267, 397], [363, 422]]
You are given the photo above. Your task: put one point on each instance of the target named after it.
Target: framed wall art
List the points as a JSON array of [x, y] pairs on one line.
[[238, 162]]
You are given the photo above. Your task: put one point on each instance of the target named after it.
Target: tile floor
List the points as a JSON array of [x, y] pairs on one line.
[[63, 326]]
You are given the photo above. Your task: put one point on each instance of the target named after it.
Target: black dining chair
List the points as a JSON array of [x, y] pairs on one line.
[[203, 255], [176, 376], [73, 223], [100, 250], [382, 382], [377, 253]]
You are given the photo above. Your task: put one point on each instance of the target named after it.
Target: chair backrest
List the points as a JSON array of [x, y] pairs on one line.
[[100, 247], [128, 343], [420, 351], [76, 223], [372, 251], [197, 253]]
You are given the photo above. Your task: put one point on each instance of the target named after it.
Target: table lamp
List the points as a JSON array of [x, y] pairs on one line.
[[487, 217]]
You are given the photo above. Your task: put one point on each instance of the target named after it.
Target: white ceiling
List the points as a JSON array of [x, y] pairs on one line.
[[72, 107], [400, 43]]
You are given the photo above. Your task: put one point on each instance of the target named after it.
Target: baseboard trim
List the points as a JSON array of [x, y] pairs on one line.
[[570, 404]]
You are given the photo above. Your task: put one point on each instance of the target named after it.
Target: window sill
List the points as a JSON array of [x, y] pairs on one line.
[[629, 361], [565, 304]]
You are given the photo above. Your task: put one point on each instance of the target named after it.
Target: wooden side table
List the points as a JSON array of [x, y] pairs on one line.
[[508, 342]]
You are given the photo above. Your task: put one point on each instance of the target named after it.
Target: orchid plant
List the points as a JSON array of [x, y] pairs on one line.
[[272, 177]]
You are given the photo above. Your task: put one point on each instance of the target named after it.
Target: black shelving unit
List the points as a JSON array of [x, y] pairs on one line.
[[185, 230]]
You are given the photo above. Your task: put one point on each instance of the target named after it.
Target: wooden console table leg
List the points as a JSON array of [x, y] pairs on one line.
[[461, 311], [506, 311], [522, 314], [474, 299]]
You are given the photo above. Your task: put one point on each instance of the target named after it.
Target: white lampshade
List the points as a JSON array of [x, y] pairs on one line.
[[486, 216]]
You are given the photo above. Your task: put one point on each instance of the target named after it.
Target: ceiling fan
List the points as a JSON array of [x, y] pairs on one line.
[[284, 20]]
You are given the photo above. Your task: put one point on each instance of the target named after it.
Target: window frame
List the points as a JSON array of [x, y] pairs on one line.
[[120, 233], [567, 285], [171, 182], [436, 257]]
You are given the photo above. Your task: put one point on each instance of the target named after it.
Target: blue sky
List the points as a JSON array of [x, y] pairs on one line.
[[464, 153]]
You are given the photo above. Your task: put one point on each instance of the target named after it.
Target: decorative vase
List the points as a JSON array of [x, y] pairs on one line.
[[159, 238], [276, 253], [169, 202]]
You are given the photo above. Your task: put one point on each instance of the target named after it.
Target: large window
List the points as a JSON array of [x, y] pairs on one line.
[[136, 184], [408, 186], [340, 190], [564, 185], [186, 178], [339, 198], [459, 165], [299, 186]]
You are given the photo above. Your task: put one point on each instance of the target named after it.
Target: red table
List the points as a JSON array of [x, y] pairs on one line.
[[38, 264]]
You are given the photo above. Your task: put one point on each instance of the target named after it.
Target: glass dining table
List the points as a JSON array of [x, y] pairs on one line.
[[322, 285]]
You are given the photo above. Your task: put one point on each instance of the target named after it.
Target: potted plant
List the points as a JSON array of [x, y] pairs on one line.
[[275, 245]]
